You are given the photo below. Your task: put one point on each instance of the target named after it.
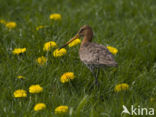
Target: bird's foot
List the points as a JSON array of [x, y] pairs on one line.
[[97, 84]]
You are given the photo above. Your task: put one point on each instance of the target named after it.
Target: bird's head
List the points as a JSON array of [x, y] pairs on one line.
[[85, 31]]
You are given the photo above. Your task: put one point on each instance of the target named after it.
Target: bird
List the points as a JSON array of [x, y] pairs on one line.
[[93, 55]]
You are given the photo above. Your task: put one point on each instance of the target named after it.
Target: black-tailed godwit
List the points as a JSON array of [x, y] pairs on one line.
[[91, 54]]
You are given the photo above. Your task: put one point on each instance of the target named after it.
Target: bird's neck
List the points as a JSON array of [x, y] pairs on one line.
[[87, 39]]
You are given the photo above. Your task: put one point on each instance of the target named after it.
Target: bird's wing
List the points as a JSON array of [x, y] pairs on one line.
[[97, 54]]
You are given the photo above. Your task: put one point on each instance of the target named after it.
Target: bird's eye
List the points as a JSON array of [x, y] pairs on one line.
[[82, 30]]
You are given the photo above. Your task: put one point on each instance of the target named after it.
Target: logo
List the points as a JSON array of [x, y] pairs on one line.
[[137, 110]]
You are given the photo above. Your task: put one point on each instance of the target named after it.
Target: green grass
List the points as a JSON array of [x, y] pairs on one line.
[[128, 25]]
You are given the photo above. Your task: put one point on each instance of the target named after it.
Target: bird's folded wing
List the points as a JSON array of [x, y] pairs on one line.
[[98, 55]]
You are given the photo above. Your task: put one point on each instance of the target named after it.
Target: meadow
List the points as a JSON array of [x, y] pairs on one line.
[[128, 25]]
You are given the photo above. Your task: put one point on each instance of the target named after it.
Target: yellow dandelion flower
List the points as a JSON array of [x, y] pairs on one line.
[[39, 106], [10, 25], [58, 53], [2, 21], [49, 45], [39, 27], [41, 60], [66, 77], [18, 51], [61, 109], [55, 16], [121, 87], [75, 42], [20, 93], [20, 77], [35, 89], [112, 50]]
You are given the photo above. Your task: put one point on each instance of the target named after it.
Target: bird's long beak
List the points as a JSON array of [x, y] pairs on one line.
[[75, 37]]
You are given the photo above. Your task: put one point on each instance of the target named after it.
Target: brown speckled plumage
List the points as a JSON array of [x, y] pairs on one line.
[[97, 55]]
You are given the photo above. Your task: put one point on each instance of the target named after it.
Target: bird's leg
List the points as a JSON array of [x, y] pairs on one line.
[[96, 77], [95, 73]]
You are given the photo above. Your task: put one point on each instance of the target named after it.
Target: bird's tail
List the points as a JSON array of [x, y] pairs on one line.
[[115, 64]]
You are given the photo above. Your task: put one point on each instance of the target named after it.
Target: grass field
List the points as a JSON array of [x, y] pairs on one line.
[[128, 25]]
